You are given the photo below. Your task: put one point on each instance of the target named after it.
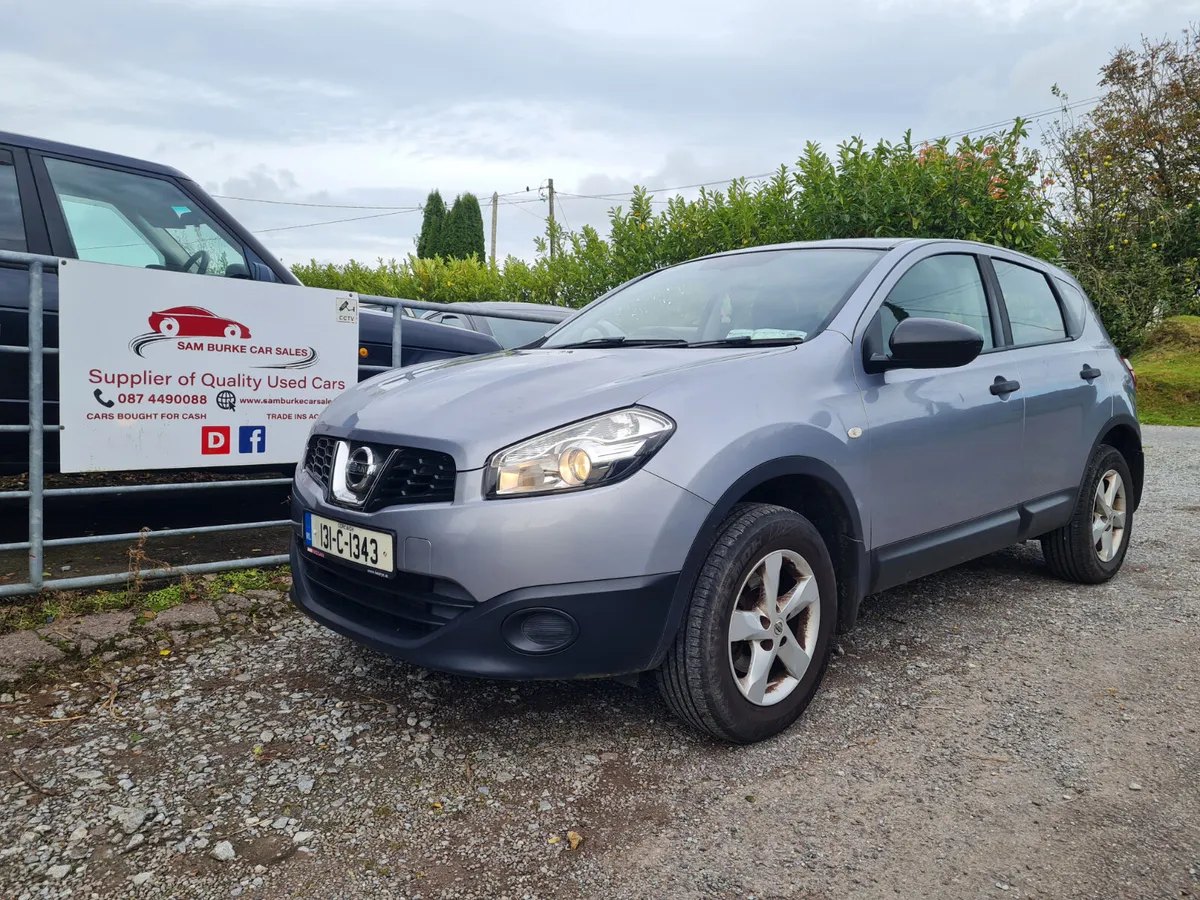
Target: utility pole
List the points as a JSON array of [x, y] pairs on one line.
[[550, 191], [495, 205]]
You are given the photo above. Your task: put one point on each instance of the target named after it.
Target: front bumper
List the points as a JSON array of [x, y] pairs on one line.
[[606, 560], [619, 623]]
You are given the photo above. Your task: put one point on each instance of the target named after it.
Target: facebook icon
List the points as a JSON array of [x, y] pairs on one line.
[[252, 439]]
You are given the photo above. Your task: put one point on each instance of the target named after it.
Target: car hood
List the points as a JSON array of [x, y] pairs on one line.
[[473, 406]]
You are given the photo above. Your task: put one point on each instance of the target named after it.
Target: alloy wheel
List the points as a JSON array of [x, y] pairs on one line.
[[1108, 516], [773, 627]]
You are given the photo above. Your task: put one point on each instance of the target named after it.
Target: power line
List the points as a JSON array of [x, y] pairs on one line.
[[621, 195], [1040, 114], [391, 211], [337, 221], [522, 209], [346, 205], [313, 205], [562, 210], [1031, 117], [561, 194]]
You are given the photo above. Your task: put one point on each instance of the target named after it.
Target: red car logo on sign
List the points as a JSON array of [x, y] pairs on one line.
[[192, 321]]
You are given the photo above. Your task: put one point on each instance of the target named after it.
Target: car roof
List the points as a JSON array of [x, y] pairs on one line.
[[886, 244], [57, 147], [866, 243], [520, 306]]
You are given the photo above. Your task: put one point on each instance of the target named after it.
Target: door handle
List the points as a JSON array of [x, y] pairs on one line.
[[1088, 373], [1001, 388]]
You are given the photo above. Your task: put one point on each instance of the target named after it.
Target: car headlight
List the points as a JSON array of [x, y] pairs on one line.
[[596, 451]]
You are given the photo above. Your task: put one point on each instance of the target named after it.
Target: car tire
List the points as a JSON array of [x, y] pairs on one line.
[[1091, 547], [233, 331], [169, 327], [709, 679]]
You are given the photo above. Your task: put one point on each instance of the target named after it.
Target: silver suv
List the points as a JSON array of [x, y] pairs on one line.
[[702, 473]]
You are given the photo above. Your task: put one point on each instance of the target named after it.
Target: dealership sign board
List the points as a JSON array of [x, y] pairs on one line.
[[166, 370]]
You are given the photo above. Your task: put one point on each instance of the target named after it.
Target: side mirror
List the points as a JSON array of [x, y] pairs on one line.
[[918, 343]]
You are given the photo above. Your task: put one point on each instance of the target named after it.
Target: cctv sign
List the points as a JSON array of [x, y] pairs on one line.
[[164, 370]]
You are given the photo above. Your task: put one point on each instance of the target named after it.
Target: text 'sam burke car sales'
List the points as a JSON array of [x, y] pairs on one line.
[[161, 370]]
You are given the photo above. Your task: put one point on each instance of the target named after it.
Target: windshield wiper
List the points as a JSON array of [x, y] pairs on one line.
[[748, 341], [623, 342]]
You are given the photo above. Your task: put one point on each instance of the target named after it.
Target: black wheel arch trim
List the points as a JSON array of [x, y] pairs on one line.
[[850, 591], [1137, 464]]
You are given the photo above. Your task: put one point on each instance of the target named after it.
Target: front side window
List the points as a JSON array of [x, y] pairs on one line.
[[1033, 311], [102, 234], [761, 295], [138, 220], [12, 227], [940, 287]]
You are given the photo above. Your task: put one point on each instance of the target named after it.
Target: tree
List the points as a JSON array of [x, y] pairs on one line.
[[1128, 217], [463, 231], [429, 243]]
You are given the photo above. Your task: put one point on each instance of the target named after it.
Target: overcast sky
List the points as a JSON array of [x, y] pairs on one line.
[[375, 102]]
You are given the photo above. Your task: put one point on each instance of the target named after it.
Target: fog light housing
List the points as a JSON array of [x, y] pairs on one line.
[[539, 630]]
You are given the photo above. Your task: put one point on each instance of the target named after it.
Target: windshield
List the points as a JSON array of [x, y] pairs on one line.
[[744, 297]]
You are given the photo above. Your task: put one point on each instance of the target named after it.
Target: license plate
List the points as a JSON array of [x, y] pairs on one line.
[[360, 546]]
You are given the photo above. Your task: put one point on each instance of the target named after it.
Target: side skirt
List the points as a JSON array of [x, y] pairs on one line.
[[917, 557]]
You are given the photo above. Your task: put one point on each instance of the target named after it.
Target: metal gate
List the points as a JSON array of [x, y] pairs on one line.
[[37, 493]]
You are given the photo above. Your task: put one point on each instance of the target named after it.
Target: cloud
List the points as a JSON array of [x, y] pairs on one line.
[[366, 102], [261, 184]]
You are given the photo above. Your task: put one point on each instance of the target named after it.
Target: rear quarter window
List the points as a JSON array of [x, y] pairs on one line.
[[1075, 306]]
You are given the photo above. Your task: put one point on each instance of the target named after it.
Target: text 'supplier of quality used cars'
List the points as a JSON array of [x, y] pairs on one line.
[[703, 473]]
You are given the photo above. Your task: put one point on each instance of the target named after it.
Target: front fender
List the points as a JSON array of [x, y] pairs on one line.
[[821, 447], [855, 575], [797, 413], [733, 471]]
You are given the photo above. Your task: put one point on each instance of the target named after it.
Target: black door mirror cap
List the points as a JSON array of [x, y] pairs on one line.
[[927, 343]]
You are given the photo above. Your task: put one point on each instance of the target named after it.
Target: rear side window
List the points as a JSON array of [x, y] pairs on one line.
[[1076, 307], [138, 220], [12, 227], [940, 287], [1033, 311]]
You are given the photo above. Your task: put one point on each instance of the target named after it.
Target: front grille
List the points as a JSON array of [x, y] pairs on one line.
[[409, 476], [406, 605], [415, 476], [319, 459]]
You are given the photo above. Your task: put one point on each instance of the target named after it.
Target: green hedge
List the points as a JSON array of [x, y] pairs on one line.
[[986, 189]]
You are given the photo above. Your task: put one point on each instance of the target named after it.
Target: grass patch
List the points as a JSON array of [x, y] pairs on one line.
[[50, 608], [1168, 371]]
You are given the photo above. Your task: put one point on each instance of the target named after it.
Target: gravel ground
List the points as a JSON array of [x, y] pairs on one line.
[[987, 732]]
